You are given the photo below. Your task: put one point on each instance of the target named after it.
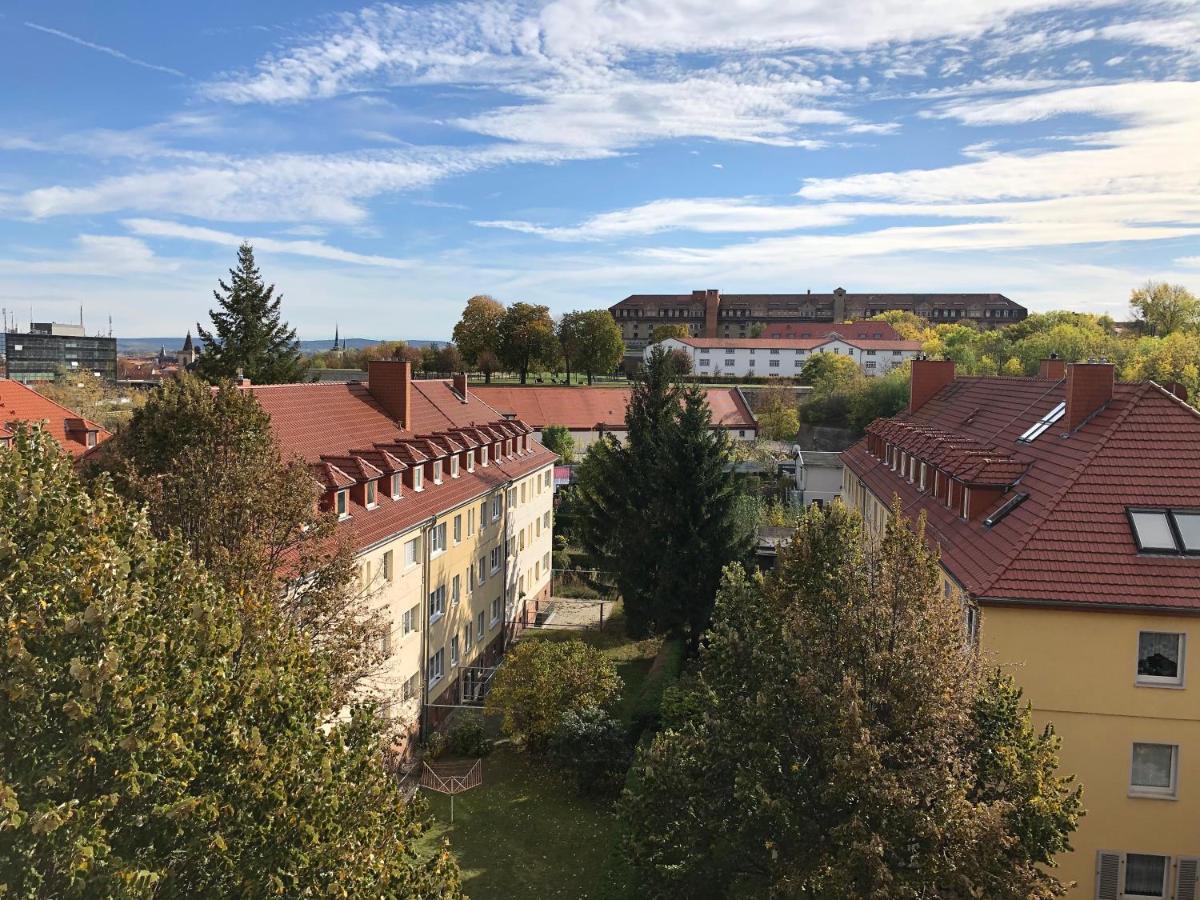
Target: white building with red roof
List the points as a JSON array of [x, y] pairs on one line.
[[785, 357], [448, 508], [1067, 511]]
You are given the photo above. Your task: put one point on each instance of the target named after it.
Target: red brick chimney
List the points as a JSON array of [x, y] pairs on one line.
[[928, 377], [1175, 389], [712, 307], [390, 383], [1089, 388], [460, 385], [1052, 368]]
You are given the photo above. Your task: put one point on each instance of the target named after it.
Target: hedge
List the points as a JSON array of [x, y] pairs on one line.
[[646, 712]]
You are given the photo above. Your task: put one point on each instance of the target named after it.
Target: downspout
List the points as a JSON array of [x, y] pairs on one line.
[[423, 662]]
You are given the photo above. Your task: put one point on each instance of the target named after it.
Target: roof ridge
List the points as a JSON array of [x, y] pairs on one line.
[[1067, 485], [66, 409]]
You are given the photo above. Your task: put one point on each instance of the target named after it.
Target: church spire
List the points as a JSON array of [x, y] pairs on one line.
[[335, 336]]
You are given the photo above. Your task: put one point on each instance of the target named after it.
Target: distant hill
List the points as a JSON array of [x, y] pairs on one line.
[[143, 346]]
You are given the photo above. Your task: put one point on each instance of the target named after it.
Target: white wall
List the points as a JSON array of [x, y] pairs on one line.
[[741, 362]]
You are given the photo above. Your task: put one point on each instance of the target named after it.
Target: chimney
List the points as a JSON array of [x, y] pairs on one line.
[[1052, 368], [712, 307], [839, 304], [389, 381], [1089, 388], [928, 377], [1175, 389], [460, 385]]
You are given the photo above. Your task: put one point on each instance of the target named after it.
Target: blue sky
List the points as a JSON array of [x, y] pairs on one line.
[[389, 161]]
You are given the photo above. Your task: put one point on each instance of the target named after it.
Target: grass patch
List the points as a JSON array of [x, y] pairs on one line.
[[525, 832]]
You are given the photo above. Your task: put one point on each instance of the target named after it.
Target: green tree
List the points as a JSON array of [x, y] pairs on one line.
[[477, 333], [837, 741], [1175, 357], [248, 333], [663, 332], [777, 413], [93, 398], [207, 468], [830, 373], [880, 397], [527, 338], [540, 681], [557, 439], [157, 743], [591, 342], [661, 511], [1161, 308]]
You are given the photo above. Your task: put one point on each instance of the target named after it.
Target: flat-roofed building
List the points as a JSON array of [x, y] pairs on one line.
[[38, 354], [785, 357]]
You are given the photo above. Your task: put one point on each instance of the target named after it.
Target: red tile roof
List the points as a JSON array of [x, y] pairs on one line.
[[865, 330], [19, 403], [323, 423], [796, 343], [583, 408], [1070, 542]]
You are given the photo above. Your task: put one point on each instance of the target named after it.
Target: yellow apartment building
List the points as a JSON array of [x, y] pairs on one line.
[[1067, 511]]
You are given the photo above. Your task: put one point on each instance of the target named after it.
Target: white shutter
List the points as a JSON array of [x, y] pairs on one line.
[[1108, 875], [1187, 878]]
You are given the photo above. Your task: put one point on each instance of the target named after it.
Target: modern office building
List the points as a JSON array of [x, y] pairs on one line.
[[38, 354]]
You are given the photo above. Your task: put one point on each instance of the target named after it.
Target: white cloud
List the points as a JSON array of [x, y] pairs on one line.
[[315, 249], [116, 54], [94, 255]]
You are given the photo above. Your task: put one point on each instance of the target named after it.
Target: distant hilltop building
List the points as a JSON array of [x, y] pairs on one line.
[[711, 314], [38, 354]]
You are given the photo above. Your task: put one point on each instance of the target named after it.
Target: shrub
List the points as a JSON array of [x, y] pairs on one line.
[[435, 744], [467, 735], [664, 672], [594, 747], [541, 680]]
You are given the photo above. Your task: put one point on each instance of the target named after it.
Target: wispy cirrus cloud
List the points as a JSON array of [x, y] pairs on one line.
[[101, 48]]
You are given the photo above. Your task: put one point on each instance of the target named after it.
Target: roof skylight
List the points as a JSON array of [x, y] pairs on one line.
[[1166, 530], [1042, 424]]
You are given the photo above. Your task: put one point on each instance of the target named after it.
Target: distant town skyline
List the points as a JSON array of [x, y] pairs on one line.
[[389, 161]]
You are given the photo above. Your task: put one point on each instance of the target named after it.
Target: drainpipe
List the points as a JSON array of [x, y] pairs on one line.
[[424, 599]]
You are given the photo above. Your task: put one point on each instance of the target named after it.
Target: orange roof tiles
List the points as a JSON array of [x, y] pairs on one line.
[[1070, 542], [583, 408], [322, 423], [741, 343], [19, 403]]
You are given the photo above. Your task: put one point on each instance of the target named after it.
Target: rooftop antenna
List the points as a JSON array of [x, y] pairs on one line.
[[110, 325], [80, 315]]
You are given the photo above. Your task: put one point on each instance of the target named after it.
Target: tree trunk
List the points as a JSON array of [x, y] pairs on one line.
[[589, 377], [487, 377]]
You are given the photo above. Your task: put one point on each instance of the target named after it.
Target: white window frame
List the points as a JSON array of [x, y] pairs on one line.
[[454, 466], [437, 666], [470, 460], [341, 503], [495, 560], [483, 456], [437, 471], [1149, 791], [372, 494], [454, 652], [497, 507], [412, 553], [397, 484], [495, 611], [1161, 681], [418, 476], [437, 603], [458, 529], [437, 538]]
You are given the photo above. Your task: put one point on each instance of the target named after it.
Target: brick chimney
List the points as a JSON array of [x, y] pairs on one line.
[[1175, 389], [389, 381], [1089, 388], [460, 385], [928, 377], [1052, 368], [712, 307]]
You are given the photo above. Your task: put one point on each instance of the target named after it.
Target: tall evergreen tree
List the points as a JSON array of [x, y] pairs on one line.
[[661, 511], [248, 333]]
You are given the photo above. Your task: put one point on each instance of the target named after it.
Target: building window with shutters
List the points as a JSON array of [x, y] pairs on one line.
[[1128, 876]]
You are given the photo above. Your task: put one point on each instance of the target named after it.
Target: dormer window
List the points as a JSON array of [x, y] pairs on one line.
[[437, 471], [418, 478], [470, 460], [454, 466], [396, 482], [342, 504], [91, 439], [372, 494], [483, 456]]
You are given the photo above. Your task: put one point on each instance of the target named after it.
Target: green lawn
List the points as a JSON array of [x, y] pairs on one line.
[[525, 832]]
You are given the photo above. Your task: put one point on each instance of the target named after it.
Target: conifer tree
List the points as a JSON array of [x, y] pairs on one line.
[[248, 333], [660, 512]]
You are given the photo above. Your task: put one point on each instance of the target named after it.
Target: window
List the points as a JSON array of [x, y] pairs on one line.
[[343, 505], [468, 633], [454, 466], [454, 651], [437, 667], [456, 590], [396, 482], [546, 519], [869, 364], [412, 552], [1154, 770], [471, 577], [1042, 424], [90, 440], [372, 494], [497, 505], [483, 518], [437, 603], [495, 611], [437, 538], [412, 620], [495, 559], [1160, 658], [547, 478], [512, 497], [1166, 530], [470, 460], [418, 477], [483, 456], [479, 626], [546, 561], [389, 569], [482, 569], [775, 363], [437, 471], [521, 540], [522, 491], [458, 529], [1145, 875]]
